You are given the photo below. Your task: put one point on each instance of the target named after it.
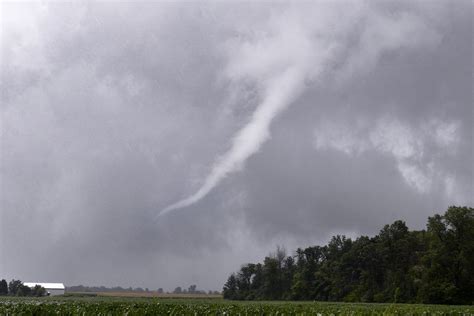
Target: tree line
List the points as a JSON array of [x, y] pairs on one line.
[[17, 288], [101, 288], [435, 265], [192, 289]]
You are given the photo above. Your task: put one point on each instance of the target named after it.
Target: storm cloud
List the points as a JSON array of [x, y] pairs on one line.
[[250, 125]]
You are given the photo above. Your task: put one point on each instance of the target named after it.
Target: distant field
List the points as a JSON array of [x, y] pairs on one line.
[[108, 305], [158, 295]]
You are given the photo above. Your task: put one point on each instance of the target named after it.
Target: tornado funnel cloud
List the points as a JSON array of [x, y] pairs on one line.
[[279, 94]]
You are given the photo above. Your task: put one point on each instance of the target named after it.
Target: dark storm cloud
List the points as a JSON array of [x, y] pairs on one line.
[[112, 111]]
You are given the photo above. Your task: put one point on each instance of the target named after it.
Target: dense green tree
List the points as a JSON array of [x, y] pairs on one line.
[[449, 263], [17, 288], [272, 277], [396, 265], [230, 290], [257, 282], [244, 279], [23, 290], [396, 247], [38, 290], [288, 272], [308, 261], [3, 287], [14, 286]]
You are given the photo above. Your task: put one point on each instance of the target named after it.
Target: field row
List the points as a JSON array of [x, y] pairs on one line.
[[135, 306]]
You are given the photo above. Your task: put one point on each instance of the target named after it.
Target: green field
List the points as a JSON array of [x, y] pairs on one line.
[[155, 306]]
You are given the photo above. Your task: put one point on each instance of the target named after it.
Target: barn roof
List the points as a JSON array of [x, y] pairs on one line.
[[50, 286]]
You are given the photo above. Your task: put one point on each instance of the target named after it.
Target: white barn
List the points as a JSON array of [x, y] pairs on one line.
[[51, 288]]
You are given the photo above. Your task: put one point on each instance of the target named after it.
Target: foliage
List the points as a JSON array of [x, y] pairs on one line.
[[397, 265], [38, 290], [137, 306], [192, 289], [3, 287], [17, 288], [13, 286]]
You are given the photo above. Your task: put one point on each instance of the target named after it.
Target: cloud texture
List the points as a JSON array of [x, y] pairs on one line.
[[270, 124]]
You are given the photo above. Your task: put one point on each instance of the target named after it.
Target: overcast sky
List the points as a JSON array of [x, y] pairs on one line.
[[161, 144]]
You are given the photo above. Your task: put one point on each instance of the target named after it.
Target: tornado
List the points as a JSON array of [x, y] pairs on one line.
[[280, 93]]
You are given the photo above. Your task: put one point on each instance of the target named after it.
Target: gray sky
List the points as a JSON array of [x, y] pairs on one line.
[[161, 144]]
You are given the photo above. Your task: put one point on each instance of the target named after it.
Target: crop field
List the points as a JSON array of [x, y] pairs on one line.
[[155, 306]]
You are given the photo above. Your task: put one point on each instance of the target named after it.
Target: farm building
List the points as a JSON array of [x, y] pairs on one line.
[[51, 288]]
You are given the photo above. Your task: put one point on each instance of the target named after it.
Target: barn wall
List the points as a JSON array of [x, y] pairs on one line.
[[53, 292]]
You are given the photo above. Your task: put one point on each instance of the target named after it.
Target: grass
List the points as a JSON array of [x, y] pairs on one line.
[[113, 305]]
